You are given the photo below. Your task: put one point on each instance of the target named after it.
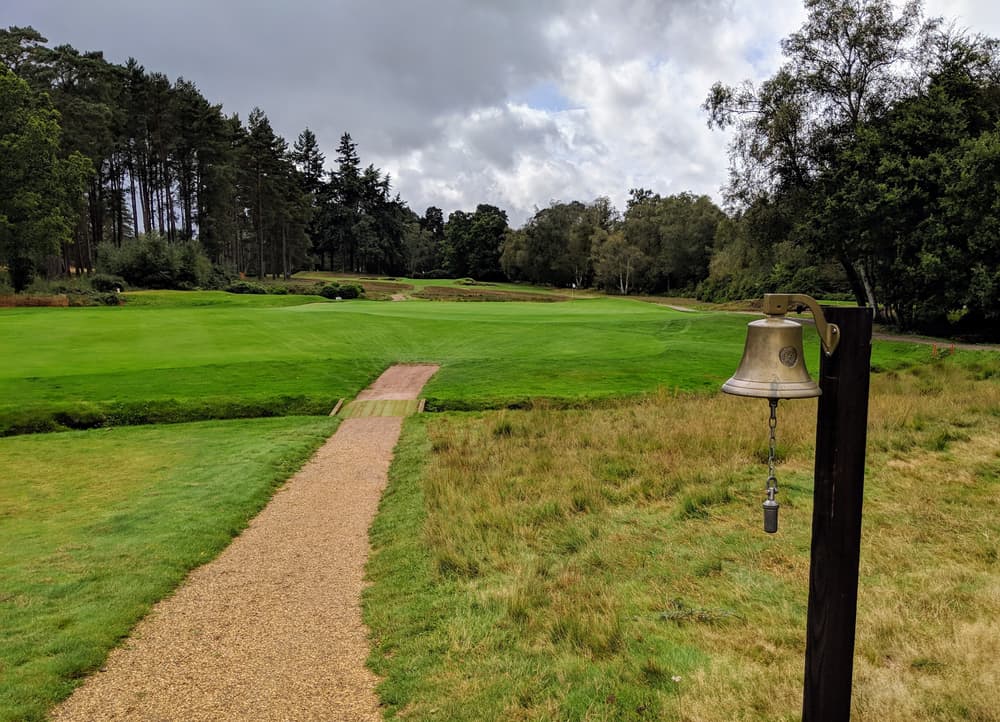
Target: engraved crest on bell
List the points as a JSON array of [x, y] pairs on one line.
[[788, 356]]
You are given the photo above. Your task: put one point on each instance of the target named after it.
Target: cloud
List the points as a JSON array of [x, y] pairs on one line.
[[509, 102]]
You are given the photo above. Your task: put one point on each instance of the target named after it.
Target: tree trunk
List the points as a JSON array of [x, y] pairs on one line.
[[130, 161], [284, 251], [260, 230], [870, 294], [171, 213]]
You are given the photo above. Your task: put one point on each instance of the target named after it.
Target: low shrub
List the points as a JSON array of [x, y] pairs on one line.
[[351, 290], [278, 290], [107, 283], [219, 278], [343, 291], [246, 287], [312, 289], [95, 298]]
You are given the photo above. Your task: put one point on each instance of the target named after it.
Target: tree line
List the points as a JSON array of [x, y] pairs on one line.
[[156, 160], [163, 176], [871, 159], [867, 167]]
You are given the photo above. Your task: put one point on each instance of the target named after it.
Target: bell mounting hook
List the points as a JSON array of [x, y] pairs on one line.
[[778, 304]]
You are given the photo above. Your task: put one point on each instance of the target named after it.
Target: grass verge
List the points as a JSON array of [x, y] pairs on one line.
[[609, 564], [96, 526]]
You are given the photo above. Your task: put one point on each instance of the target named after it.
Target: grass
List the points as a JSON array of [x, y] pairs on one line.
[[183, 356], [382, 407], [609, 563], [531, 543], [96, 526]]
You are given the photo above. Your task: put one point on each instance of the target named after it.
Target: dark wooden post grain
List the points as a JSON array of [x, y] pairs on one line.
[[841, 436]]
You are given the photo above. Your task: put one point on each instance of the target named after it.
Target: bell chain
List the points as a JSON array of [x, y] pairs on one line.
[[770, 504]]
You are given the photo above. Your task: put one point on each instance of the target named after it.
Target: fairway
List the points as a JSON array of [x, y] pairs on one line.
[[177, 356]]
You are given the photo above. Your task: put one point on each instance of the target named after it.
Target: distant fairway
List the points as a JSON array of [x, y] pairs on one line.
[[183, 356]]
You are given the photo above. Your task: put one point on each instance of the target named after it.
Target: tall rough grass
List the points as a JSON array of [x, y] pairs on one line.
[[610, 563]]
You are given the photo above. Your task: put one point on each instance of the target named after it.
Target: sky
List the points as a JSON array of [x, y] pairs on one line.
[[516, 103]]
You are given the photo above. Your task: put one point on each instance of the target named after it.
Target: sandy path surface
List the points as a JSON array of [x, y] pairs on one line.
[[271, 629], [399, 382]]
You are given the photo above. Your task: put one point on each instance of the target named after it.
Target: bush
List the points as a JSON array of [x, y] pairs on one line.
[[150, 261], [330, 290], [306, 290], [219, 278], [344, 291], [246, 287], [107, 283], [95, 298], [277, 290], [69, 285], [350, 290]]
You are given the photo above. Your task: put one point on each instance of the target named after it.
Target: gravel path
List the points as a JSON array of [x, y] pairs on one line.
[[271, 629], [402, 381]]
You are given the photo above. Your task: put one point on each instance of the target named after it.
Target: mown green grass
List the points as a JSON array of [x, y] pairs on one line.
[[216, 355], [609, 563], [96, 526]]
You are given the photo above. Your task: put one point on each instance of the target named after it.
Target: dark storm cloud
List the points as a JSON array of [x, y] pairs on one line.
[[380, 71]]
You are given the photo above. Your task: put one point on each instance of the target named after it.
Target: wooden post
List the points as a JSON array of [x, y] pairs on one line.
[[841, 435]]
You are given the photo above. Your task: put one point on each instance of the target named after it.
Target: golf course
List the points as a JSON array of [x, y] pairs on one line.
[[571, 528]]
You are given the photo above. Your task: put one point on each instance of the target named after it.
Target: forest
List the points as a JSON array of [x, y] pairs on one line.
[[867, 168]]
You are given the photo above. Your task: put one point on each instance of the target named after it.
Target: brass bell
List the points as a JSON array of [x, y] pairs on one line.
[[773, 364]]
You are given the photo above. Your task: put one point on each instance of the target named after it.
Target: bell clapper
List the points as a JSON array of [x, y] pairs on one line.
[[771, 504]]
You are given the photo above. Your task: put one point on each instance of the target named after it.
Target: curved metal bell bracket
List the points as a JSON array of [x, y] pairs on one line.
[[778, 304]]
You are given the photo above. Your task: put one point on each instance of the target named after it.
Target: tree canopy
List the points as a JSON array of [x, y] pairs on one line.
[[38, 189], [864, 149]]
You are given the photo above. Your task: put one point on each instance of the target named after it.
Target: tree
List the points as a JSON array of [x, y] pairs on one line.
[[617, 262], [909, 191], [425, 242], [309, 162], [265, 152], [675, 234], [472, 242], [20, 48], [38, 190], [846, 65], [553, 247]]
